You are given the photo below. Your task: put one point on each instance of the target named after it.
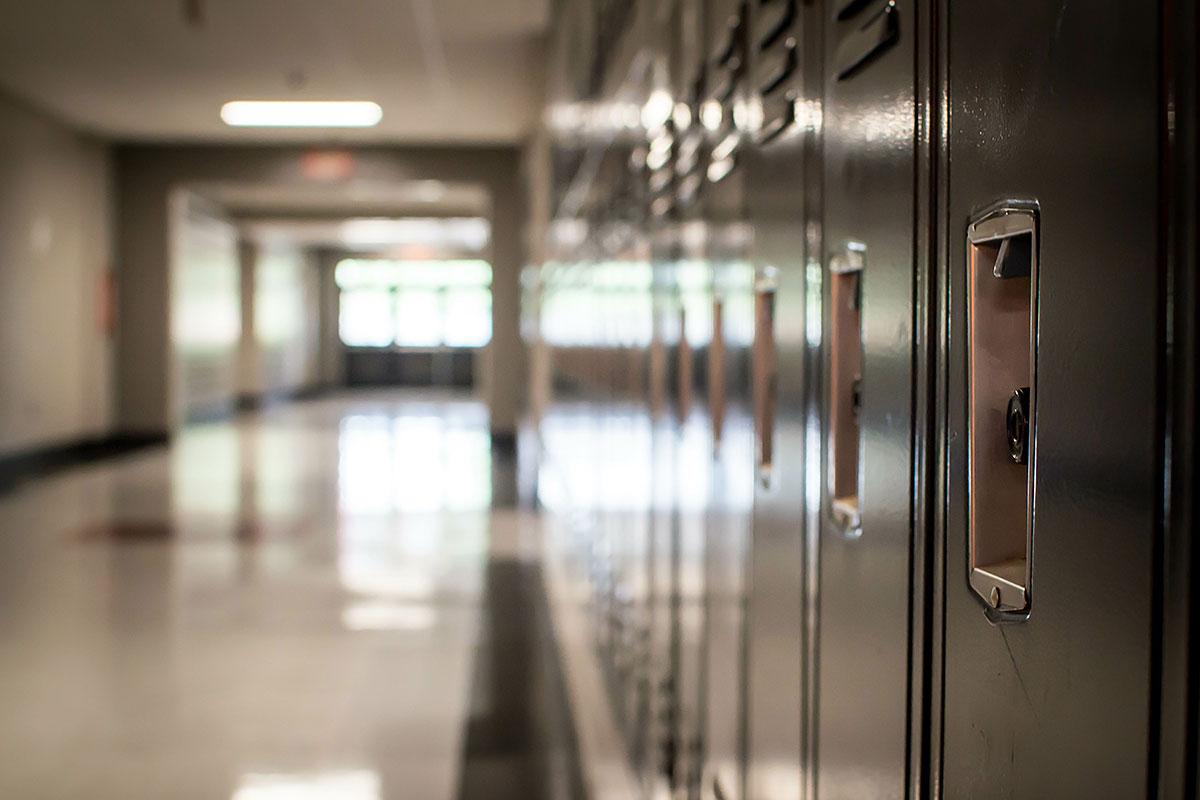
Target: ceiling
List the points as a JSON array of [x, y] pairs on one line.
[[456, 71]]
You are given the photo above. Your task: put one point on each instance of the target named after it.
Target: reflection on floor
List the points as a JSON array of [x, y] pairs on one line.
[[283, 606], [520, 739]]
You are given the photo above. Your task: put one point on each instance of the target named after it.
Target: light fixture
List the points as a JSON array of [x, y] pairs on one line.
[[301, 114], [466, 233], [429, 191]]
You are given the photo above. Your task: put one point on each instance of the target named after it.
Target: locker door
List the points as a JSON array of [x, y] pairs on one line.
[[666, 546], [866, 542], [1178, 701], [693, 488], [1053, 127], [783, 52], [727, 527], [729, 519]]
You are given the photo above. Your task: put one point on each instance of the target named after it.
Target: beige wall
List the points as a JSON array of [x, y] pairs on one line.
[[55, 253], [147, 174]]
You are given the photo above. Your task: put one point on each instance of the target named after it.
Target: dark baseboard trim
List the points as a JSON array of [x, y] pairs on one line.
[[248, 402], [504, 443], [42, 461], [221, 412], [257, 402]]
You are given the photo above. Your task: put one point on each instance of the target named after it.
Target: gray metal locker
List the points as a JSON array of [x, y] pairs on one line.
[[732, 467], [1178, 704], [1051, 367], [865, 642], [778, 149]]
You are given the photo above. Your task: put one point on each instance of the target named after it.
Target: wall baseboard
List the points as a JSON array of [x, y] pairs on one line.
[[504, 443], [257, 402], [40, 462]]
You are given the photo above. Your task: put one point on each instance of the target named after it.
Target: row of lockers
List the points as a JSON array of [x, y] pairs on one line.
[[864, 372]]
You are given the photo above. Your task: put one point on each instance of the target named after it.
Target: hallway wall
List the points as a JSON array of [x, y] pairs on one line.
[[56, 248], [147, 174]]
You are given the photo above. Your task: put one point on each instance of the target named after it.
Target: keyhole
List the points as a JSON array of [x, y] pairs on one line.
[[1017, 420]]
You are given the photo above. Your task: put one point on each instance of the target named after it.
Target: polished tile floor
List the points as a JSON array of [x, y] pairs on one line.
[[286, 605]]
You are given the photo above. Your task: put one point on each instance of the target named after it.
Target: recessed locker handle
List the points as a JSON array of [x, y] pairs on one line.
[[716, 371], [1002, 295], [683, 372], [766, 371], [845, 387]]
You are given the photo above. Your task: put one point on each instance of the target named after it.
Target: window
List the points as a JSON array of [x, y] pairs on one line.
[[415, 303]]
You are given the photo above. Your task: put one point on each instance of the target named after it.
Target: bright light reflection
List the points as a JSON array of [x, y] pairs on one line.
[[575, 453], [206, 466], [657, 109], [376, 572], [468, 233], [711, 115], [413, 463], [382, 616], [339, 785]]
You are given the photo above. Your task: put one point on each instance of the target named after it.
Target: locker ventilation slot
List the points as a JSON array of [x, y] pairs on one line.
[[852, 7], [868, 42]]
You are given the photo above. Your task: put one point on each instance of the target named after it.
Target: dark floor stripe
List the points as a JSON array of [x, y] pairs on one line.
[[520, 740]]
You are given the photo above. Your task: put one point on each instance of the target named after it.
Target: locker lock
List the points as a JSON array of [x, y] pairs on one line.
[[1017, 420]]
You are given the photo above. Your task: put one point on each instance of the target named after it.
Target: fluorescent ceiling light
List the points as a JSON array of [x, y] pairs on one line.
[[466, 233], [301, 114], [429, 191]]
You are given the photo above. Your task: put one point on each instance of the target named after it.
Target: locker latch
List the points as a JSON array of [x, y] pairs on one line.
[[766, 370], [845, 386], [1002, 318]]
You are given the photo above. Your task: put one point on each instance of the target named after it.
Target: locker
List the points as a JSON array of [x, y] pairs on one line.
[[1051, 235], [869, 213], [728, 524], [731, 423], [778, 147], [672, 663], [1177, 703], [916, 400], [693, 284]]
